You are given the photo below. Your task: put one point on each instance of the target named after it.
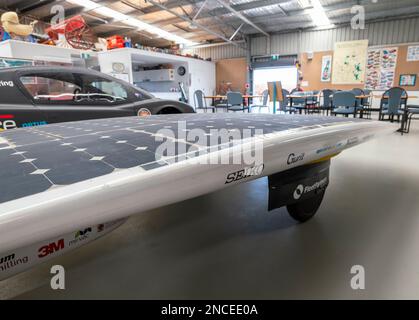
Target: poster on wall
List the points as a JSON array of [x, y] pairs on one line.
[[407, 80], [326, 72], [349, 62], [381, 68], [412, 53]]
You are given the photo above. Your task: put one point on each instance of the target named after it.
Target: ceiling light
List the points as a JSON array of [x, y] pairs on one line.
[[123, 18], [304, 3], [318, 14]]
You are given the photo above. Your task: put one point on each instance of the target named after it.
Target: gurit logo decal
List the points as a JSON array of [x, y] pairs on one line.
[[292, 158]]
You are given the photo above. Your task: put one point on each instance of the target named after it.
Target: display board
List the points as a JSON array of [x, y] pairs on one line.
[[275, 91], [381, 68], [231, 75], [349, 62], [412, 53], [311, 69], [326, 72]]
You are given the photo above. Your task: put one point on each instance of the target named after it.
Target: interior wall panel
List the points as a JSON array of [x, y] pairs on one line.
[[379, 33]]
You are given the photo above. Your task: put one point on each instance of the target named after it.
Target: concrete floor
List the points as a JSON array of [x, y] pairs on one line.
[[226, 245]]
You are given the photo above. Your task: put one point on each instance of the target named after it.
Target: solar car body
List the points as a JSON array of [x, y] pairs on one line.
[[39, 95], [67, 184]]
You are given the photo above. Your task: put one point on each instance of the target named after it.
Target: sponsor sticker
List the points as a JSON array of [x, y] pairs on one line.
[[301, 189], [244, 173], [7, 84], [294, 158], [11, 261]]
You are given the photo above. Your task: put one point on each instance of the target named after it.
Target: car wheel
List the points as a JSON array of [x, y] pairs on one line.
[[306, 209]]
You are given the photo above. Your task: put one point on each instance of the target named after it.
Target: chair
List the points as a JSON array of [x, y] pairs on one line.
[[412, 110], [235, 102], [358, 105], [344, 103], [222, 103], [312, 102], [200, 102], [284, 104], [391, 104], [367, 103], [327, 100], [299, 104], [265, 96]]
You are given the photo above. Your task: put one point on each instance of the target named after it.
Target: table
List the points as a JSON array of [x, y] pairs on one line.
[[302, 96], [246, 98], [386, 97]]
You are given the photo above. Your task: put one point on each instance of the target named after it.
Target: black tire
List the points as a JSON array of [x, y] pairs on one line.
[[305, 210]]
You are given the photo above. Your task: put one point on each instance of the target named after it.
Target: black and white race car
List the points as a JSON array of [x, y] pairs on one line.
[[33, 96]]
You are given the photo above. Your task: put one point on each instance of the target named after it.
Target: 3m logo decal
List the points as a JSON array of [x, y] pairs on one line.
[[51, 248]]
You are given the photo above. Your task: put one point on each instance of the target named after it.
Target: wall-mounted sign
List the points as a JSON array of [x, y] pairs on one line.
[[381, 68], [407, 80], [349, 61], [412, 53], [326, 72]]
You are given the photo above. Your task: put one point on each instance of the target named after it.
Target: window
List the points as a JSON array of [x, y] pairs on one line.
[[45, 89], [103, 90], [78, 89]]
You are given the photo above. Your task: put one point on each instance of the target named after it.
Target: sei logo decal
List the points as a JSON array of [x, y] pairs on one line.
[[245, 173]]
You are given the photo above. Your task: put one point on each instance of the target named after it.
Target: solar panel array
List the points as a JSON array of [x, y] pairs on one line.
[[36, 159]]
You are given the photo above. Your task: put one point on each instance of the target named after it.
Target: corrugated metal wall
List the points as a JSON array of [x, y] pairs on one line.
[[219, 52], [378, 33]]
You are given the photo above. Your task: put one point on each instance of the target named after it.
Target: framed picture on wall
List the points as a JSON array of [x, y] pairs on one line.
[[407, 80], [326, 71]]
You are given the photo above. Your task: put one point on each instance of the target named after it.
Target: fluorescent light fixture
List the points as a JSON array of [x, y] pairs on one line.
[[304, 3], [317, 12], [123, 18]]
